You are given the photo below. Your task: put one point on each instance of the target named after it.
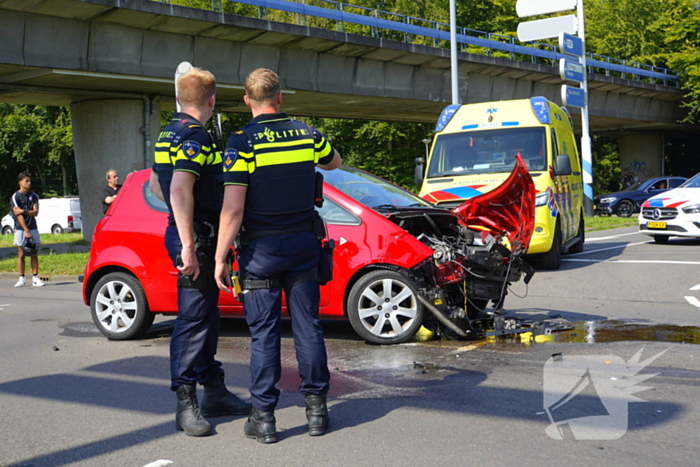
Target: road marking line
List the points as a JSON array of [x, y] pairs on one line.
[[695, 287], [159, 463], [609, 248], [597, 239], [693, 301], [649, 261]]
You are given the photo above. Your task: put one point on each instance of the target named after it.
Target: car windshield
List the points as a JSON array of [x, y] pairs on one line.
[[633, 187], [692, 183], [488, 151], [370, 190]]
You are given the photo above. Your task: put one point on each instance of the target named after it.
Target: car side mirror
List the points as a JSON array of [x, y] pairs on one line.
[[418, 174], [563, 165]]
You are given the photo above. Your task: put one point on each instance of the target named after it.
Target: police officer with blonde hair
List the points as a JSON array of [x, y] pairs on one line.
[[269, 178], [187, 175]]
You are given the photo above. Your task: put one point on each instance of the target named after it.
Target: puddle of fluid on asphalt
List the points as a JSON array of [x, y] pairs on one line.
[[588, 332]]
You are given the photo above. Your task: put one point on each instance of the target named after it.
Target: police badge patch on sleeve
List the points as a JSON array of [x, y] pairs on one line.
[[230, 156], [191, 149]]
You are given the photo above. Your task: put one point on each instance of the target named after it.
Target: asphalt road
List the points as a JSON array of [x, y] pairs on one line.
[[70, 397]]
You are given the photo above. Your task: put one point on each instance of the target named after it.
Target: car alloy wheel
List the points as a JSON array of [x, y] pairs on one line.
[[625, 208], [119, 308], [383, 307]]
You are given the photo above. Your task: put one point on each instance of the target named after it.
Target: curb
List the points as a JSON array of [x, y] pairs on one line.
[[45, 277]]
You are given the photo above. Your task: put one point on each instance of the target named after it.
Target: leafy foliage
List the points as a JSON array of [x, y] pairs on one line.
[[39, 140]]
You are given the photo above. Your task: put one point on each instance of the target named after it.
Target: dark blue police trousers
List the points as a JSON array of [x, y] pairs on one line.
[[196, 334], [283, 257]]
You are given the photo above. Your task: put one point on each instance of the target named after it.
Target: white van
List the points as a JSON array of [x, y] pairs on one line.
[[56, 215]]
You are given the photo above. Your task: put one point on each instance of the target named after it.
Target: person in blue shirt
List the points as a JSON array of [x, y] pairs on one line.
[[269, 179], [187, 176]]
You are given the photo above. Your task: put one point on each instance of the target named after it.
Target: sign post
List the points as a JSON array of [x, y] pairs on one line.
[[564, 27]]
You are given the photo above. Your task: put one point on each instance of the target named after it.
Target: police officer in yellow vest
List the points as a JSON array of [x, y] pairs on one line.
[[187, 175], [269, 179]]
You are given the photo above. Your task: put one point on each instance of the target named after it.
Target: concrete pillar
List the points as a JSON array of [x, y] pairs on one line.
[[110, 133], [640, 157]]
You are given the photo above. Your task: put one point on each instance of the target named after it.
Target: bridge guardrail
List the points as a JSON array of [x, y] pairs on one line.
[[469, 40]]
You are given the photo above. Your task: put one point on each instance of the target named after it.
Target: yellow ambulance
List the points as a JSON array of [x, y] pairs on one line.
[[474, 151]]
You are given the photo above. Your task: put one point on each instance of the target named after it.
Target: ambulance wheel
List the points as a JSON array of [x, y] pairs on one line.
[[119, 308], [7, 230], [383, 307], [552, 259], [580, 236], [56, 229]]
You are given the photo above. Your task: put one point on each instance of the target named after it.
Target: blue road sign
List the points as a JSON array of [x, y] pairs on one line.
[[570, 71], [570, 45], [571, 96]]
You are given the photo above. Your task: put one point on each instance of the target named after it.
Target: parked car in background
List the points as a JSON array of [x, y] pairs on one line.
[[56, 215], [398, 259], [629, 201], [673, 213]]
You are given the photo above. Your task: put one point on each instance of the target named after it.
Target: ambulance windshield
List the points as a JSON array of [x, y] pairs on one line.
[[488, 151]]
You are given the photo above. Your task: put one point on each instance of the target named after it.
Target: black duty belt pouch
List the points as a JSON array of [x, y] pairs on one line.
[[206, 274], [325, 262]]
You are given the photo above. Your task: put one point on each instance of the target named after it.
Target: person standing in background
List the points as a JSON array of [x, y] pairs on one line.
[[108, 193], [25, 208]]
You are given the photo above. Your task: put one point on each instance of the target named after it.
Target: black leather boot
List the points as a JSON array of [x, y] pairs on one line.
[[317, 414], [261, 426], [188, 417], [218, 401]]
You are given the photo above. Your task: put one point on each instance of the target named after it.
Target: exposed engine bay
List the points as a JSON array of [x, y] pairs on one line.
[[466, 281]]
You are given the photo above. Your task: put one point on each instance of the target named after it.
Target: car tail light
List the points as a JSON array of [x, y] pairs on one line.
[[70, 222]]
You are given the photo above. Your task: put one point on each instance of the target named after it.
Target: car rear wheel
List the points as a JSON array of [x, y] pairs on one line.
[[552, 259], [383, 307], [661, 239], [625, 208], [119, 308], [7, 230], [56, 229]]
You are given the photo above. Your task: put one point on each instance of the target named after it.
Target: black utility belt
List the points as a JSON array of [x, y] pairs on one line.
[[253, 234]]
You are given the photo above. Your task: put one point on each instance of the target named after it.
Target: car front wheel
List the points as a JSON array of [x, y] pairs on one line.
[[661, 239], [625, 208], [383, 307], [119, 308]]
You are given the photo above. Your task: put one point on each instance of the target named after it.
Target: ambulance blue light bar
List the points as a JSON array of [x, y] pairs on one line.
[[540, 107], [446, 115]]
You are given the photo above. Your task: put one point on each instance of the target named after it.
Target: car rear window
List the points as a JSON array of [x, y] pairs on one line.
[[152, 200]]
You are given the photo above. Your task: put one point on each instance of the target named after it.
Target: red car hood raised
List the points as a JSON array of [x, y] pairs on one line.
[[508, 210]]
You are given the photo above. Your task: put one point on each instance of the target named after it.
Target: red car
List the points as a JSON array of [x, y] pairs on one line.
[[399, 261]]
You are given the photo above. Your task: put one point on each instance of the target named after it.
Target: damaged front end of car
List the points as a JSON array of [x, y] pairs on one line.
[[478, 250]]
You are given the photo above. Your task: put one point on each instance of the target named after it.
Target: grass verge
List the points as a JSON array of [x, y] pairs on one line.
[[609, 222], [64, 264], [75, 238]]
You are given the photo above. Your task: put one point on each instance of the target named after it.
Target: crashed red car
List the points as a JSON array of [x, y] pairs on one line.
[[399, 261]]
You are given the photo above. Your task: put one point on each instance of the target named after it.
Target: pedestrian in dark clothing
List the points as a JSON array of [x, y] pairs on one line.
[[25, 208], [108, 193]]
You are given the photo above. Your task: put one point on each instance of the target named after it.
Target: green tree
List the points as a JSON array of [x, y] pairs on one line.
[[39, 140]]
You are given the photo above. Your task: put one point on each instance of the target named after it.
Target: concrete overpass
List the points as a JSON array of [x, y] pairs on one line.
[[112, 62]]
